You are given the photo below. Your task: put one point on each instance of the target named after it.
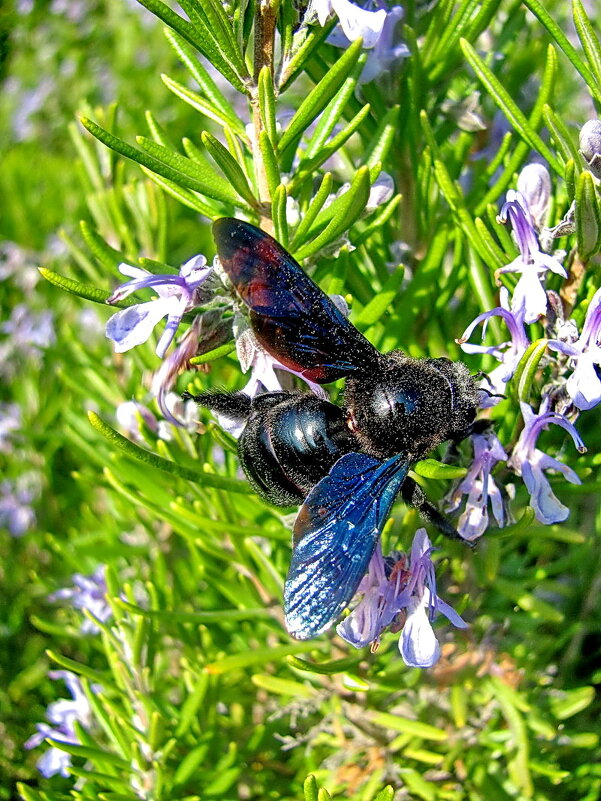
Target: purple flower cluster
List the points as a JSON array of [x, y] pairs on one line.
[[89, 593], [402, 596], [375, 22], [62, 715], [26, 334], [576, 371], [16, 498], [179, 294]]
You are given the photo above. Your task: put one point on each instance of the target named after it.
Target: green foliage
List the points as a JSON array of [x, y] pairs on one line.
[[194, 688]]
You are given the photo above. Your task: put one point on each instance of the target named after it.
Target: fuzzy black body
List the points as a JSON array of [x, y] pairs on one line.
[[409, 406]]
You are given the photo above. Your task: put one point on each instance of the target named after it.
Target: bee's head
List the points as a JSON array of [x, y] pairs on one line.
[[410, 405]]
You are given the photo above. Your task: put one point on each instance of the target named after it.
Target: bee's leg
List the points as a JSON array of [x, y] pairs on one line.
[[232, 404], [413, 495]]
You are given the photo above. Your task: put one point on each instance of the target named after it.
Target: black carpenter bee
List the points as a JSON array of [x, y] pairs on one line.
[[347, 463]]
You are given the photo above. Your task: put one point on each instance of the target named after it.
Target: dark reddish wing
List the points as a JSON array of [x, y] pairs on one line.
[[292, 318]]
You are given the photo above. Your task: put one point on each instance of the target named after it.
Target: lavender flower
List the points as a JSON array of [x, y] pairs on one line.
[[584, 385], [16, 498], [508, 353], [63, 715], [529, 462], [87, 592], [480, 488], [178, 360], [185, 412], [534, 188], [18, 265], [590, 145], [380, 588], [387, 592], [386, 51], [177, 295], [128, 416], [529, 297], [28, 333], [355, 21], [10, 422]]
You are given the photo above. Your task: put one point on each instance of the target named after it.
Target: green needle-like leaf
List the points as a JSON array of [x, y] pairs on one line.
[[142, 455], [270, 162], [589, 39], [201, 39], [431, 468], [259, 656], [380, 302], [562, 40], [196, 169], [507, 105], [332, 115], [287, 687], [310, 215], [324, 668], [163, 161], [314, 38], [572, 702], [220, 28], [588, 216], [319, 97], [83, 290], [209, 88], [311, 789], [186, 197], [345, 211], [278, 214], [267, 105], [96, 755], [381, 142], [206, 107], [230, 168], [212, 355], [106, 255], [77, 667], [526, 370], [413, 727], [561, 135], [308, 166]]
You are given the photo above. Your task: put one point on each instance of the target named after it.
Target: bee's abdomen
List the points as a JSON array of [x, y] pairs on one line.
[[290, 442]]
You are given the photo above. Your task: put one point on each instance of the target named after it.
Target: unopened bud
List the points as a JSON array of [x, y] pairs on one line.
[[590, 146], [534, 184]]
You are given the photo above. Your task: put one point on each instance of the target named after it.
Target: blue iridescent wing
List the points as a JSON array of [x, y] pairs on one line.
[[335, 534], [292, 318]]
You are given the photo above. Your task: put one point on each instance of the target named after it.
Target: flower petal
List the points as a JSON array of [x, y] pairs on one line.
[[418, 644], [358, 23], [451, 615], [547, 508], [584, 386], [529, 297], [132, 326]]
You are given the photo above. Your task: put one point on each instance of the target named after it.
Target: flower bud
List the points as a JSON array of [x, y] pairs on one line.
[[534, 184], [590, 146]]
